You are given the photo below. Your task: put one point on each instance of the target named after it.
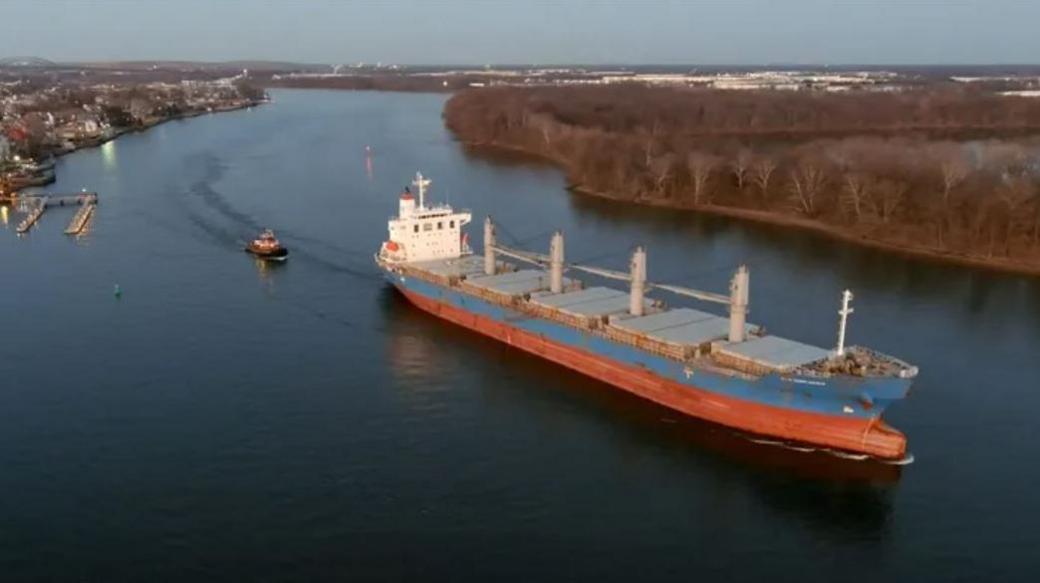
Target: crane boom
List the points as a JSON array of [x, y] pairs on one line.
[[542, 260]]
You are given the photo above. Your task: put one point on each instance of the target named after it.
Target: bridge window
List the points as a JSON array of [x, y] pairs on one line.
[[427, 226], [416, 228], [440, 225], [451, 224]]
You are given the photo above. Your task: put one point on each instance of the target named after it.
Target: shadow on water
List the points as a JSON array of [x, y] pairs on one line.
[[824, 491]]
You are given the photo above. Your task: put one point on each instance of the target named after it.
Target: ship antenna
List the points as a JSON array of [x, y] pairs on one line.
[[844, 312], [421, 183]]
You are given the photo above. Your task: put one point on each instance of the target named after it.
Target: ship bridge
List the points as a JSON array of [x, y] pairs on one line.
[[423, 233]]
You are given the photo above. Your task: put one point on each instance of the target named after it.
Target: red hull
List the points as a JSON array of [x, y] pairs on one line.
[[872, 437]]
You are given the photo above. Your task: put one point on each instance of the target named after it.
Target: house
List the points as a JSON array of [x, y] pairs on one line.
[[90, 126]]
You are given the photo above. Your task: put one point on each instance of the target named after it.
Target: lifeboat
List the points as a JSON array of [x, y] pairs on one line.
[[267, 247]]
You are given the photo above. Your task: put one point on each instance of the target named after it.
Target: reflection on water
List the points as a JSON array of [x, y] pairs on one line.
[[109, 159], [265, 269]]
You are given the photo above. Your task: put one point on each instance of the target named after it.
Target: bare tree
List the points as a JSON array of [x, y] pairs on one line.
[[889, 196], [545, 126], [855, 193], [1018, 192], [740, 166], [761, 171], [807, 181], [953, 170], [1036, 218], [662, 169], [701, 166], [648, 143], [987, 216]]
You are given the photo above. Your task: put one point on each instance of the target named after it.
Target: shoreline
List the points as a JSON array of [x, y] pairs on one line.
[[49, 174], [836, 232]]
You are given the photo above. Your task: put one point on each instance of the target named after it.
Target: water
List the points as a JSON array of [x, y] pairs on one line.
[[226, 420]]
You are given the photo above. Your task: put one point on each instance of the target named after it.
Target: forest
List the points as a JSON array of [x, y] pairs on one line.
[[944, 171]]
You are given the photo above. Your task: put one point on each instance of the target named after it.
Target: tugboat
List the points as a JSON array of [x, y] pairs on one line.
[[267, 247]]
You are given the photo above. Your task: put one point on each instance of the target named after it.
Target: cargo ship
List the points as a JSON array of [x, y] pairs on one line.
[[720, 368]]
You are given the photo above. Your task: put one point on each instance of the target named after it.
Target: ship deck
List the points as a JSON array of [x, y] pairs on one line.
[[681, 333]]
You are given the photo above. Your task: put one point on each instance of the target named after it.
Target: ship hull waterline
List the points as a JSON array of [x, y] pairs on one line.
[[871, 437]]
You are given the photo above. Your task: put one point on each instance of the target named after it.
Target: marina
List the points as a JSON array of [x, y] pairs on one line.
[[37, 204]]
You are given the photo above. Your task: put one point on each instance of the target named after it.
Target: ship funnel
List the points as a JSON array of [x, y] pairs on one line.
[[846, 297], [635, 300], [556, 263], [738, 304], [489, 246]]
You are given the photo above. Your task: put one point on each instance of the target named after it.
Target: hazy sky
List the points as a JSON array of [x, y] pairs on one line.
[[535, 31]]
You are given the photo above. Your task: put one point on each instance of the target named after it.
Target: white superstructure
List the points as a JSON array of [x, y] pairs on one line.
[[422, 233]]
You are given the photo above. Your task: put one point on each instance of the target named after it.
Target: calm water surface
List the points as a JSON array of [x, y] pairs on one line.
[[227, 420]]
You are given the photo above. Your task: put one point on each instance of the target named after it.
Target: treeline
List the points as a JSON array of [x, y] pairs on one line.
[[375, 82], [948, 171]]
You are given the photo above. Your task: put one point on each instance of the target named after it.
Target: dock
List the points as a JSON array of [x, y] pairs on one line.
[[79, 221], [38, 206], [41, 202]]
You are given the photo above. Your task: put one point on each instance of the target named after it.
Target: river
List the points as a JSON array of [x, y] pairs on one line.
[[226, 420]]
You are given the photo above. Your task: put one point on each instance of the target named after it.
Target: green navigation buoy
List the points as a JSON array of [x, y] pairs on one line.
[[117, 291]]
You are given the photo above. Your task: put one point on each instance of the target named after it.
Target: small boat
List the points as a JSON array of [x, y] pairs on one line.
[[267, 247]]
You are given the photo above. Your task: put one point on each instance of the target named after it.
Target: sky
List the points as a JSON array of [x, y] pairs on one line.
[[474, 32]]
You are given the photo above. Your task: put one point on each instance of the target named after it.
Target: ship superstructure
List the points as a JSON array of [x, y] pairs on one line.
[[719, 368], [423, 233]]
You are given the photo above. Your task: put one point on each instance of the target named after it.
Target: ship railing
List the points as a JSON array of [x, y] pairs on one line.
[[862, 362]]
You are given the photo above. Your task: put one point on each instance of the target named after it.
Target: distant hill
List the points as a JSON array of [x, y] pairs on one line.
[[34, 62], [205, 65]]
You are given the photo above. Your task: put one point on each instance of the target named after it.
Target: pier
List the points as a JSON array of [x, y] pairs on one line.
[[39, 203], [38, 206], [79, 221]]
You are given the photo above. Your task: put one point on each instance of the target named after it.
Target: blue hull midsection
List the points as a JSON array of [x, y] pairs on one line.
[[841, 396]]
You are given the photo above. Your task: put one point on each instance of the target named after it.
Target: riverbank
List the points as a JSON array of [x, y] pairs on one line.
[[890, 181], [785, 220], [44, 174], [837, 232]]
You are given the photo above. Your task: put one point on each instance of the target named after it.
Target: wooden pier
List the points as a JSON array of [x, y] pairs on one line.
[[79, 221], [38, 206]]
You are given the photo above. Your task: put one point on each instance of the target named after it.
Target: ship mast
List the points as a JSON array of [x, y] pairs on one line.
[[844, 312], [489, 246], [421, 184]]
